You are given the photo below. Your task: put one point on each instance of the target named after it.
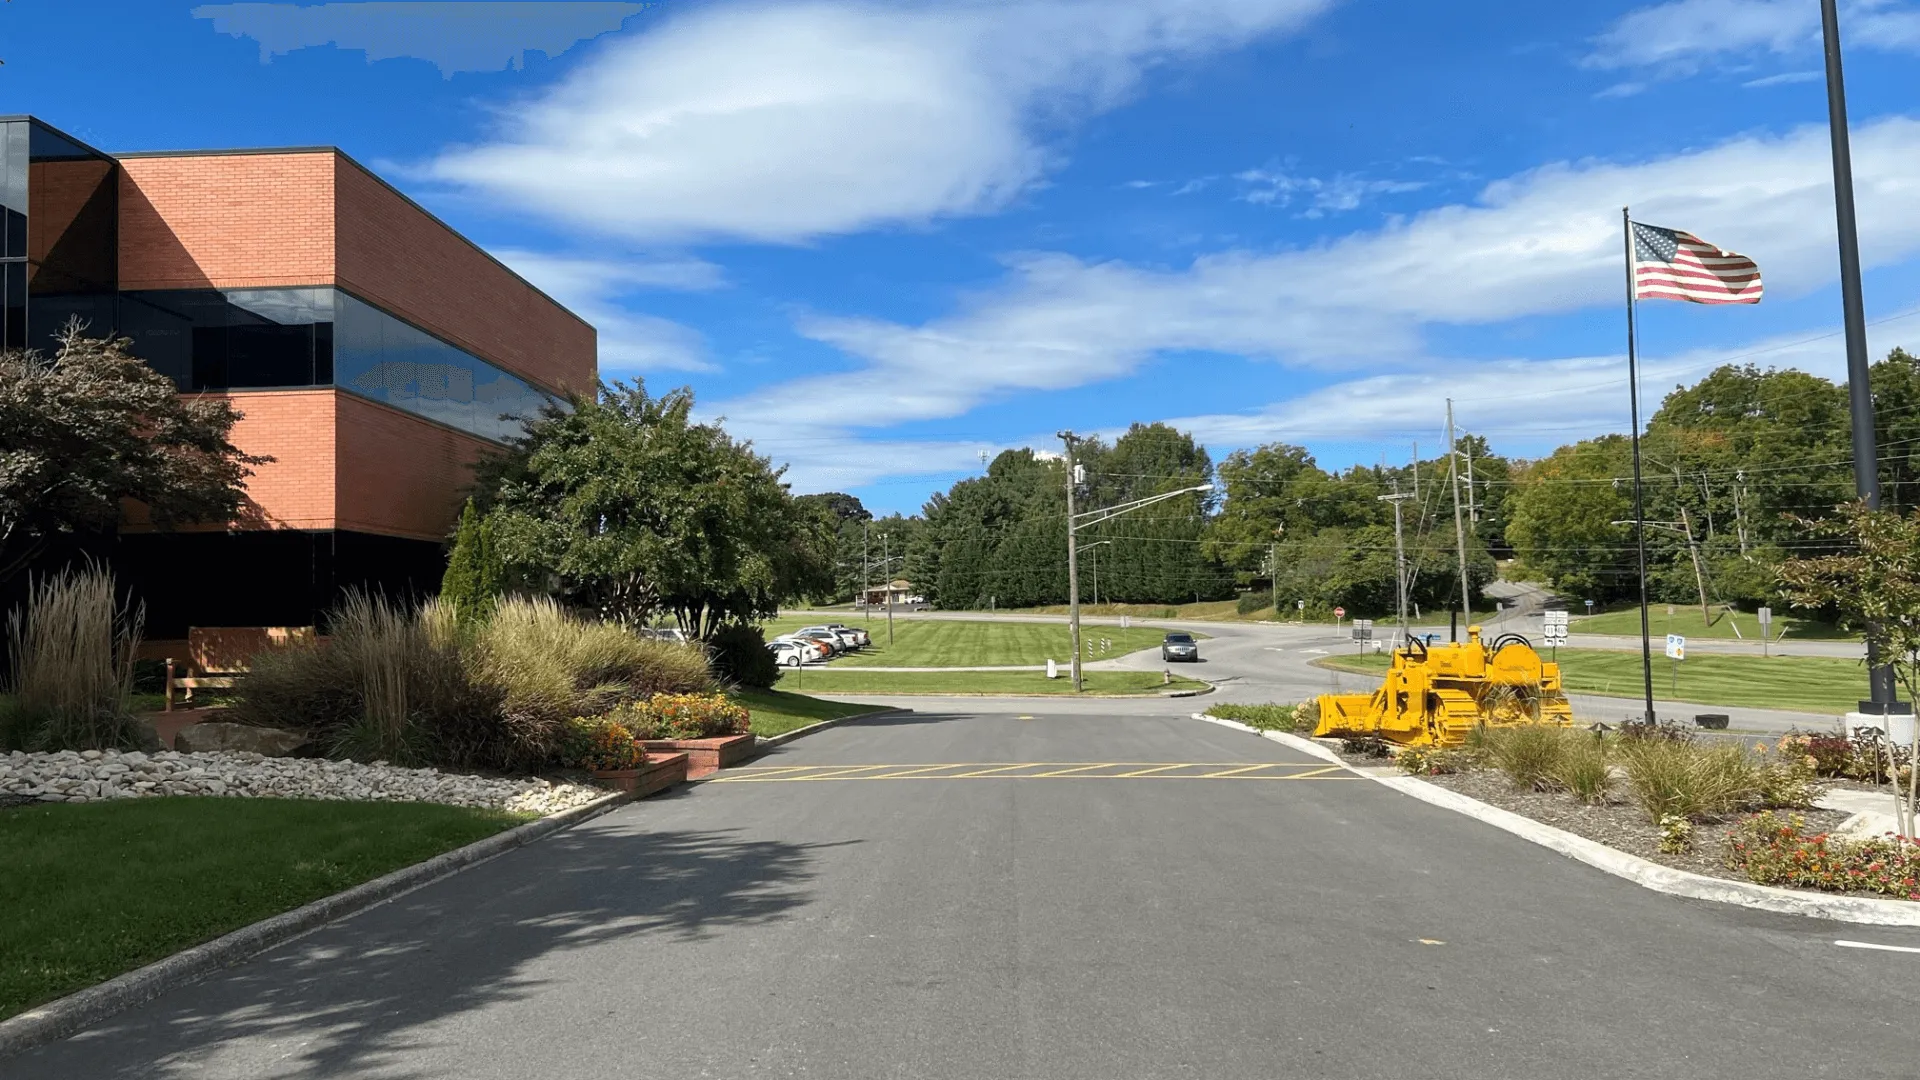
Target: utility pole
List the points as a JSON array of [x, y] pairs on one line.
[[1866, 467], [1399, 561], [1073, 562], [866, 565], [1699, 578], [1459, 528], [1273, 577], [1416, 471], [886, 557], [1739, 512]]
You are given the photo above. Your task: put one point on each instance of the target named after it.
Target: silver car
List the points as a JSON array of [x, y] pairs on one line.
[[1178, 646]]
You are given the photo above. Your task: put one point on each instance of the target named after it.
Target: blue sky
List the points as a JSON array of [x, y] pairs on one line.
[[884, 238]]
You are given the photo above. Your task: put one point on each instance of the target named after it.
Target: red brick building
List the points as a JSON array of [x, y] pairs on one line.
[[374, 352]]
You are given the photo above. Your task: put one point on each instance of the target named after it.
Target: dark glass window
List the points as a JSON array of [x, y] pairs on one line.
[[13, 305], [209, 339], [13, 190]]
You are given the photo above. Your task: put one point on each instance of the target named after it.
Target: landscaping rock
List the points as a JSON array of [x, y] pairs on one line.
[[72, 777], [211, 738]]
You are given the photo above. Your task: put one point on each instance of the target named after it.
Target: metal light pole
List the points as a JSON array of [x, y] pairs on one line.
[[1073, 563], [1459, 529], [1095, 568], [1866, 467], [1399, 562]]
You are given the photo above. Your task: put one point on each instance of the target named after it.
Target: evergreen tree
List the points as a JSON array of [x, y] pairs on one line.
[[473, 577]]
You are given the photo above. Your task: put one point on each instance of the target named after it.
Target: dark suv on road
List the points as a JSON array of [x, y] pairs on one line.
[[1179, 647]]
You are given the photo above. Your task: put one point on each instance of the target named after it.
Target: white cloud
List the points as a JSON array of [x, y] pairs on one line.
[[788, 121], [1785, 78], [1680, 37], [454, 35], [629, 341], [1276, 186], [1543, 242], [1525, 405]]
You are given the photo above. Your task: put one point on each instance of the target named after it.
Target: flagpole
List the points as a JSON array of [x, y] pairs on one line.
[[1639, 501]]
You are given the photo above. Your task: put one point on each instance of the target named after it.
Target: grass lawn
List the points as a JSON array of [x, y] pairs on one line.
[[95, 889], [977, 682], [1688, 621], [959, 643], [1808, 683], [776, 712]]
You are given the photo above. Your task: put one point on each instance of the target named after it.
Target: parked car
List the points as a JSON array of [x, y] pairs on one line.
[[794, 653], [828, 642], [861, 638], [664, 633], [1178, 646], [844, 637]]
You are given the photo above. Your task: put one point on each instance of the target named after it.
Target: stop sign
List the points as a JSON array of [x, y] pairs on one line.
[[1339, 613]]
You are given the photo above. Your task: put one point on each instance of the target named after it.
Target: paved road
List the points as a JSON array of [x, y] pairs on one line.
[[824, 916]]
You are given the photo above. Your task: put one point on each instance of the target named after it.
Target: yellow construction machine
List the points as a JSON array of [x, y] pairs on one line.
[[1435, 694]]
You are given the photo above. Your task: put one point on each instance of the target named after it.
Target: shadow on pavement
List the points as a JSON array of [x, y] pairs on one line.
[[345, 1001]]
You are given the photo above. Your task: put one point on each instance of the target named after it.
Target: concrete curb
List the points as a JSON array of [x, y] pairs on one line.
[[767, 741], [82, 1009], [1643, 872]]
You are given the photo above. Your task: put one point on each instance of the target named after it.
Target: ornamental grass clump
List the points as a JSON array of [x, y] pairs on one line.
[[1583, 769], [1530, 755], [1684, 780], [70, 650]]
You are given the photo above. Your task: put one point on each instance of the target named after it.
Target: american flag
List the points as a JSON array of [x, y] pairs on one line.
[[1671, 265]]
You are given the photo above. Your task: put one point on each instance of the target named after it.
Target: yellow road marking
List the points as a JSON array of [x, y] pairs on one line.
[[1150, 772], [763, 770], [829, 772], [1237, 772], [915, 771], [1075, 769], [1317, 772], [1001, 769]]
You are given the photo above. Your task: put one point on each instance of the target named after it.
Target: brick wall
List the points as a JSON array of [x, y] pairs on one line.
[[400, 475], [296, 489], [400, 258], [227, 221]]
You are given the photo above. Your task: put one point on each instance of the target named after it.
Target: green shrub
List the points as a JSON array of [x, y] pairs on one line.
[[1582, 769], [1264, 717], [740, 656], [600, 744], [70, 650], [1773, 850], [1251, 602], [684, 716], [1433, 761], [1529, 754], [1676, 834], [1685, 780], [474, 576], [1788, 783]]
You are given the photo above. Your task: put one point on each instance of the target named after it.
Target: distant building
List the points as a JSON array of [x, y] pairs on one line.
[[375, 352], [899, 592]]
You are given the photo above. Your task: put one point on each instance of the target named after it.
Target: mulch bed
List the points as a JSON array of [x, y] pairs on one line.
[[1620, 825]]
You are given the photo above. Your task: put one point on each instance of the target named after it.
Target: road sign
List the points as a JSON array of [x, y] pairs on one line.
[[1363, 629], [1556, 627], [1589, 607], [1301, 604], [1766, 618], [1676, 646], [1341, 613]]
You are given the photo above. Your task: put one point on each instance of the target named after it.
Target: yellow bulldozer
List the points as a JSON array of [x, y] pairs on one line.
[[1435, 694]]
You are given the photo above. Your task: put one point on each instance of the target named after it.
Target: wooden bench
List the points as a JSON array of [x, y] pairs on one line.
[[216, 656]]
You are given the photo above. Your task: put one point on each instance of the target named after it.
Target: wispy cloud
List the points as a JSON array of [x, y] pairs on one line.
[[594, 288], [455, 36], [1682, 37], [1278, 186], [1783, 79], [785, 122]]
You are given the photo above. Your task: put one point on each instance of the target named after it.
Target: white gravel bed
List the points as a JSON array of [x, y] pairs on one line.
[[97, 775]]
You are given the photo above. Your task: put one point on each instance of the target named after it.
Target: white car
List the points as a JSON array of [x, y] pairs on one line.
[[848, 641], [793, 653], [860, 638]]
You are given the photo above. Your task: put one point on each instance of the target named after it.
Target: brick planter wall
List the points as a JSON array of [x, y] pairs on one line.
[[705, 756], [661, 772]]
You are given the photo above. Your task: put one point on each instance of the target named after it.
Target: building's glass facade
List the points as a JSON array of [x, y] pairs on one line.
[[59, 243], [243, 339]]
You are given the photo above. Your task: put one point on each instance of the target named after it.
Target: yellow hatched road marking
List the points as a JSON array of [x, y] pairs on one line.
[[915, 771], [1075, 769], [1313, 773], [1237, 772], [1150, 772], [831, 772], [1001, 769]]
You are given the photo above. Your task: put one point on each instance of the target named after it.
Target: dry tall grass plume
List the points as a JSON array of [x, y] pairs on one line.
[[71, 650]]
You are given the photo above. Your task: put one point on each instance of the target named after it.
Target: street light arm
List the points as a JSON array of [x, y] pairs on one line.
[[1095, 517]]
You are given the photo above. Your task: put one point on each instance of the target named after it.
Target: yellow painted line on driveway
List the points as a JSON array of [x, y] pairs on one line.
[[1001, 769], [834, 772], [1075, 769], [1150, 772], [1243, 769], [918, 770]]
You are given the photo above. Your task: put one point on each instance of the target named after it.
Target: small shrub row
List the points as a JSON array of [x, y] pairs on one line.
[[683, 716], [1776, 850], [1867, 756], [1265, 717], [600, 744]]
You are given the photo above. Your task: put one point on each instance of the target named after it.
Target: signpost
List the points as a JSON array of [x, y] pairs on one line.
[[1676, 652], [1362, 631], [1589, 607], [1766, 629], [1555, 631]]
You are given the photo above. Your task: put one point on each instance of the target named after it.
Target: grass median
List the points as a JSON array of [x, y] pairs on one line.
[[924, 642], [776, 712], [1691, 623], [92, 890], [1002, 683], [1818, 684]]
